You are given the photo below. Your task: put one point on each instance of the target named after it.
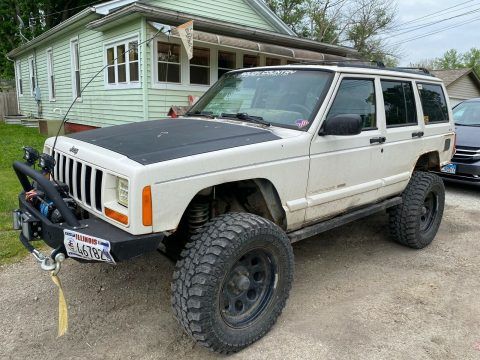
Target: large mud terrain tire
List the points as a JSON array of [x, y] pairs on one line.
[[415, 222], [232, 281]]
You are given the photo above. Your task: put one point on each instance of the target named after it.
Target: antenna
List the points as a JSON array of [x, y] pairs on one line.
[[21, 26]]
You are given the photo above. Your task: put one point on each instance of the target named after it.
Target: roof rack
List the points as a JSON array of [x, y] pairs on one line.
[[366, 64]]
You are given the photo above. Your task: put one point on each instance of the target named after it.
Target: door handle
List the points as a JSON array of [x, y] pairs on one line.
[[418, 134], [378, 140]]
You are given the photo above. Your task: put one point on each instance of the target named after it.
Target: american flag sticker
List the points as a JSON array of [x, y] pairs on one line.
[[302, 123]]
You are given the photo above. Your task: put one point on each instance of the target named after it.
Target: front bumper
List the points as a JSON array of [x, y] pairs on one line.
[[466, 173]]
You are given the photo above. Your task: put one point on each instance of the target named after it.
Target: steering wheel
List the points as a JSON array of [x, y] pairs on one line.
[[305, 111]]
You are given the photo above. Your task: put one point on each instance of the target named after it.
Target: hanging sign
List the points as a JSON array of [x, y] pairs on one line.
[[185, 32]]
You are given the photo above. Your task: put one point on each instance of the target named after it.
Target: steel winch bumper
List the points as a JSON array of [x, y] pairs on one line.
[[34, 226]]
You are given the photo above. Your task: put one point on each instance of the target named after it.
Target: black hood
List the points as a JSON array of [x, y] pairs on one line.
[[468, 136], [161, 140]]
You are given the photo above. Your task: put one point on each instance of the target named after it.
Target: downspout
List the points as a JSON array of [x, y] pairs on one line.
[[145, 83]]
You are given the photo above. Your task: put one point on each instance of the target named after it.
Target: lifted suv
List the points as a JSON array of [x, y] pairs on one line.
[[267, 157]]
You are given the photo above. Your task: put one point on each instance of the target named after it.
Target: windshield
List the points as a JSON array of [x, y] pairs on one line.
[[288, 97], [467, 114]]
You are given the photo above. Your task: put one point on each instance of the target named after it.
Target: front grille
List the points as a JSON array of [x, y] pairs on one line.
[[85, 182], [467, 154]]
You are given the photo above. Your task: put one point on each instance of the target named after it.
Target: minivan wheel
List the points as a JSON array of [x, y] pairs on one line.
[[232, 281], [415, 222]]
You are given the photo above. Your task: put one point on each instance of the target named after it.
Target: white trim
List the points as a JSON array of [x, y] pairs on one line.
[[19, 78], [183, 72], [73, 70], [114, 44], [50, 74], [106, 8]]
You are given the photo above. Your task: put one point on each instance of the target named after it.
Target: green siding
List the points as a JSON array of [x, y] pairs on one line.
[[234, 11]]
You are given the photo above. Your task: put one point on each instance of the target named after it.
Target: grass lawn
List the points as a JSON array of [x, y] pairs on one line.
[[12, 139]]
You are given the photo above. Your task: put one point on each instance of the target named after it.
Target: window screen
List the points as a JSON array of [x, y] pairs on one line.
[[356, 96], [399, 103], [433, 103]]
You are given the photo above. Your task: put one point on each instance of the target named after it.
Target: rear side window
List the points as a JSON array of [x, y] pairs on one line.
[[433, 103], [356, 96], [399, 103]]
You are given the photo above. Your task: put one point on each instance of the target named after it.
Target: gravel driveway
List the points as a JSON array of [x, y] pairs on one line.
[[356, 295]]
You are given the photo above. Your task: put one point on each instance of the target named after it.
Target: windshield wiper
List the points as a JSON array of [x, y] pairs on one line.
[[207, 114], [246, 117]]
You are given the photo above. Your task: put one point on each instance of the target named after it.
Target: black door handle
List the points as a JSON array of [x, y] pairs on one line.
[[418, 134], [379, 140]]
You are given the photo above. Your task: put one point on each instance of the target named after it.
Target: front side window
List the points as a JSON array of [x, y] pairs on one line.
[[168, 57], [50, 75], [200, 67], [227, 61], [434, 103], [399, 103], [122, 63], [356, 96], [76, 80], [288, 98], [467, 113], [19, 78]]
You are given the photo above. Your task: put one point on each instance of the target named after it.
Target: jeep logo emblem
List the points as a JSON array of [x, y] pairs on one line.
[[74, 150]]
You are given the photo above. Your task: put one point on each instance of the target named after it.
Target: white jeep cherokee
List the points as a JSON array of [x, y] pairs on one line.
[[267, 157]]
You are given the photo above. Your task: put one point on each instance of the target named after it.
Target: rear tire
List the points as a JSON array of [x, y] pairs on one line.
[[415, 222], [232, 281]]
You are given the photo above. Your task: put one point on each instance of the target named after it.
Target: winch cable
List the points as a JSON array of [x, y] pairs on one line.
[[65, 120]]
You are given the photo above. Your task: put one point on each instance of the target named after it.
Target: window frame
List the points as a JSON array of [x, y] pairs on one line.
[[19, 77], [421, 102], [374, 83], [163, 84], [74, 64], [128, 84], [50, 75], [412, 84], [32, 76]]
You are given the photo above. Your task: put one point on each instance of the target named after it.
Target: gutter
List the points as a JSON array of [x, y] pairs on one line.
[[176, 18], [52, 33]]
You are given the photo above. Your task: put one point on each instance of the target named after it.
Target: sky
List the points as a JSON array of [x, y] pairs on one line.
[[461, 38]]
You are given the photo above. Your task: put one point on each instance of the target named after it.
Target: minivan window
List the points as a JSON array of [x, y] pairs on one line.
[[356, 96], [434, 103], [399, 103]]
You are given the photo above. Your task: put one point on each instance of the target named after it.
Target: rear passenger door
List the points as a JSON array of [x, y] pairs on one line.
[[404, 133]]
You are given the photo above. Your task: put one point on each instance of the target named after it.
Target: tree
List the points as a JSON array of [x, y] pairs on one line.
[[292, 13], [452, 59]]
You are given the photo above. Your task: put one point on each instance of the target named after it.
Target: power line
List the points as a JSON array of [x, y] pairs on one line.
[[62, 11]]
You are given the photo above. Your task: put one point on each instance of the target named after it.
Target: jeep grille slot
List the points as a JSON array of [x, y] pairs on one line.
[[88, 181], [70, 165], [79, 180], [98, 189]]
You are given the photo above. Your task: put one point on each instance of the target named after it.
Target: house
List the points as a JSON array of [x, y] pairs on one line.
[[462, 84], [52, 69]]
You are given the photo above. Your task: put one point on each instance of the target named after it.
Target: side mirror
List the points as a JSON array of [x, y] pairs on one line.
[[343, 125]]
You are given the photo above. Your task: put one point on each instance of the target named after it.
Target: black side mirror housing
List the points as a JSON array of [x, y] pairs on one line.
[[342, 125]]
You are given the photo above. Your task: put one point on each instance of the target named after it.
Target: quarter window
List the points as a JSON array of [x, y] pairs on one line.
[[250, 61], [168, 56], [51, 76], [356, 96], [434, 103], [122, 63], [200, 67], [399, 103], [227, 61]]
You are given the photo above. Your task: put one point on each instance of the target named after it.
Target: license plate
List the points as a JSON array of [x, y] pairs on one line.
[[450, 169], [87, 247]]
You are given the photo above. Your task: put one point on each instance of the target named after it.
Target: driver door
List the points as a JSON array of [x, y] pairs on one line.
[[344, 169]]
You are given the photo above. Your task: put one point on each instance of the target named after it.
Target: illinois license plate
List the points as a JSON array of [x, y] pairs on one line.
[[450, 169], [87, 247]]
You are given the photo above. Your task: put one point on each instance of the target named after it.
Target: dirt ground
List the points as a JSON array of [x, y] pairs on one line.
[[356, 295]]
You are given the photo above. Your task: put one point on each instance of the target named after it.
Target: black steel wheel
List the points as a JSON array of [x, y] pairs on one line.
[[232, 281], [415, 222]]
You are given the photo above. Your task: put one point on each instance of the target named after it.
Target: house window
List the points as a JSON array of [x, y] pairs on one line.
[[122, 63], [31, 71], [250, 61], [19, 78], [200, 67], [51, 76], [227, 61], [76, 80], [168, 56], [272, 61]]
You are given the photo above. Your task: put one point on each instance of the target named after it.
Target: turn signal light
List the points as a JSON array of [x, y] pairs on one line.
[[147, 206], [115, 215]]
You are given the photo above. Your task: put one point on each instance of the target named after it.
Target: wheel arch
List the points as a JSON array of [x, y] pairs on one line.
[[429, 161]]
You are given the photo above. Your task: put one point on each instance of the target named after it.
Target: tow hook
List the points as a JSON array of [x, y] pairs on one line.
[[47, 263]]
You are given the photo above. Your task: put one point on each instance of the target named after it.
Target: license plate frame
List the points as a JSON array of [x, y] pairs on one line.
[[87, 247], [449, 169]]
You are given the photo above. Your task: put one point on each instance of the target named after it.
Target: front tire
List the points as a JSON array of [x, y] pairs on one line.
[[415, 222], [232, 281]]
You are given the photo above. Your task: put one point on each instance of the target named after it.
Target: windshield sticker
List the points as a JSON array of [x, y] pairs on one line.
[[267, 73], [302, 123]]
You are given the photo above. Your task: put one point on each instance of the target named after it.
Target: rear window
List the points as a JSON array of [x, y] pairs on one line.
[[434, 103], [399, 103]]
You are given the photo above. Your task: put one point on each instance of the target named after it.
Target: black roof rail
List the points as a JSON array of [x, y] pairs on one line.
[[417, 69]]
